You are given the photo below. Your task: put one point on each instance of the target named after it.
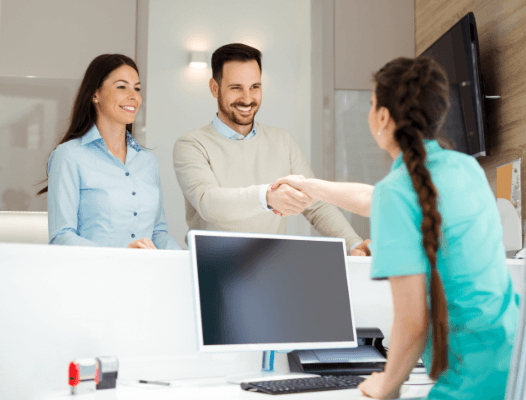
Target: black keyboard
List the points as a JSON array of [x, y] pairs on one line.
[[315, 384]]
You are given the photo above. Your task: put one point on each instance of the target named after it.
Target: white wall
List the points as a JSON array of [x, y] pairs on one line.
[[179, 99]]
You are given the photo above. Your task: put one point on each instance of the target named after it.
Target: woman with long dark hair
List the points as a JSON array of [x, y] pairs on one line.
[[436, 235], [103, 187]]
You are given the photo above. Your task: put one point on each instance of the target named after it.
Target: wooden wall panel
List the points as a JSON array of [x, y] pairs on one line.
[[501, 28]]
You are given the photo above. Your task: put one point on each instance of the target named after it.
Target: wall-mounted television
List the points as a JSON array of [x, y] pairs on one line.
[[457, 51]]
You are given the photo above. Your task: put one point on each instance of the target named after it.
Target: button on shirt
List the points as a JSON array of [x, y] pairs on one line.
[[482, 304], [96, 200]]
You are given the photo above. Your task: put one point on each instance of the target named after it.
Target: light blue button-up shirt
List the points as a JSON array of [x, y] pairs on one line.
[[96, 200], [229, 133]]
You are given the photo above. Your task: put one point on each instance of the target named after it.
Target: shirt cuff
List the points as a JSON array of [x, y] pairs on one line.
[[263, 197], [354, 245]]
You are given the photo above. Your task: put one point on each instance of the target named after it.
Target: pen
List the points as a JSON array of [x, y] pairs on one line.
[[155, 383]]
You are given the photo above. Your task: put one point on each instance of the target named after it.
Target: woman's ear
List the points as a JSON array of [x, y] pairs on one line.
[[384, 117]]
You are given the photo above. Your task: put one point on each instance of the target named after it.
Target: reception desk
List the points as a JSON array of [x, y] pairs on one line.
[[60, 303]]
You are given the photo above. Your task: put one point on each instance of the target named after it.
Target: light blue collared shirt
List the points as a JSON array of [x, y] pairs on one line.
[[96, 200], [229, 133]]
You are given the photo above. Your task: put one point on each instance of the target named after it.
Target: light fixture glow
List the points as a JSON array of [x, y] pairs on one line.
[[197, 64], [198, 59]]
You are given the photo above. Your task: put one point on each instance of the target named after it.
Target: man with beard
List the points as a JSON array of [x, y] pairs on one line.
[[226, 168]]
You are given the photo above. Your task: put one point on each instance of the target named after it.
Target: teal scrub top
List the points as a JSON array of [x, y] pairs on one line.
[[482, 304]]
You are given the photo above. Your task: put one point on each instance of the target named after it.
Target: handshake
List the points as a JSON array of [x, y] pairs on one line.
[[288, 196], [292, 194]]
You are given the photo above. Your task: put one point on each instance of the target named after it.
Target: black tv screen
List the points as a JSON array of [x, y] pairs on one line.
[[457, 51]]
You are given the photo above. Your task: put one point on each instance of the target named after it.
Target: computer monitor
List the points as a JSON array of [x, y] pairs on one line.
[[270, 292]]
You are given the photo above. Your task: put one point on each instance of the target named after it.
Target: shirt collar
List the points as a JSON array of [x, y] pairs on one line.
[[431, 146], [91, 135], [228, 132], [130, 141], [94, 134]]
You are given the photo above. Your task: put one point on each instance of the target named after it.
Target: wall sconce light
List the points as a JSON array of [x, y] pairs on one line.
[[198, 59]]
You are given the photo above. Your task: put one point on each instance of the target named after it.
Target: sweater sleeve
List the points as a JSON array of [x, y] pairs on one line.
[[201, 188], [326, 218]]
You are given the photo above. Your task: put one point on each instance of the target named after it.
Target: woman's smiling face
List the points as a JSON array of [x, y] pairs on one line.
[[119, 97]]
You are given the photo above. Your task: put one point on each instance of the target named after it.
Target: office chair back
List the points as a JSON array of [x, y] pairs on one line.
[[23, 227]]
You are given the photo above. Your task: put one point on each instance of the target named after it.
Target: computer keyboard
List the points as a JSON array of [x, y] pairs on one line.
[[315, 384]]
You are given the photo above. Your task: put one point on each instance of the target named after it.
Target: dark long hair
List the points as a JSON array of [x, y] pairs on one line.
[[416, 93], [84, 115]]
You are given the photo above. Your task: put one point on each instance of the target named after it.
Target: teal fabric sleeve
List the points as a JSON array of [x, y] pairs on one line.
[[395, 232]]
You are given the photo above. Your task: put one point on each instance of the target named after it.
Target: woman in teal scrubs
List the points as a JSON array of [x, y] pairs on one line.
[[436, 235]]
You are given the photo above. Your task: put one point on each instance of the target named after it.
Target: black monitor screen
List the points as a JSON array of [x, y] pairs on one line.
[[457, 52], [267, 290]]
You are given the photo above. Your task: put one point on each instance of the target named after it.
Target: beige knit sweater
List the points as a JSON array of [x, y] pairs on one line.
[[220, 179]]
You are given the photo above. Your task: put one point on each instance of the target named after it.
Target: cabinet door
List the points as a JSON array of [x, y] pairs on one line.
[[57, 39], [368, 34]]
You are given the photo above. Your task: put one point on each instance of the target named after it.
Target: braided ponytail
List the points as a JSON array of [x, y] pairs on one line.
[[415, 93]]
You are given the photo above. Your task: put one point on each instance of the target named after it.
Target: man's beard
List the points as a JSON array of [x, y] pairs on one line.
[[249, 120]]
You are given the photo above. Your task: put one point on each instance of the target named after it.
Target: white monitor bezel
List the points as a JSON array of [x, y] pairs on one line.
[[261, 346]]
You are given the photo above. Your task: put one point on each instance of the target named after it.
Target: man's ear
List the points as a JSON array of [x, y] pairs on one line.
[[214, 87]]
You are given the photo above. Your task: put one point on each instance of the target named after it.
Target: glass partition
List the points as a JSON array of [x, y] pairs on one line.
[[357, 157], [35, 114]]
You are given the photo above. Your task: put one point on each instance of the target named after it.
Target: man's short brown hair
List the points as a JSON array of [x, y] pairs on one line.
[[232, 52]]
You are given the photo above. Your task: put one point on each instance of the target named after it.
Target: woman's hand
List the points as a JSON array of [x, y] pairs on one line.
[[296, 181], [376, 387], [142, 244], [287, 197]]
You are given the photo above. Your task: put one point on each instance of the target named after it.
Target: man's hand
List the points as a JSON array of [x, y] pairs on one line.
[[142, 244], [286, 200], [376, 387], [362, 249]]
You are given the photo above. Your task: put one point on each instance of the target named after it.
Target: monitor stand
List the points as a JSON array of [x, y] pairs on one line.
[[267, 372]]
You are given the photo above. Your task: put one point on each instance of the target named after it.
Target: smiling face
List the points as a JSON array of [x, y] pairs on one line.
[[119, 97], [239, 95]]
